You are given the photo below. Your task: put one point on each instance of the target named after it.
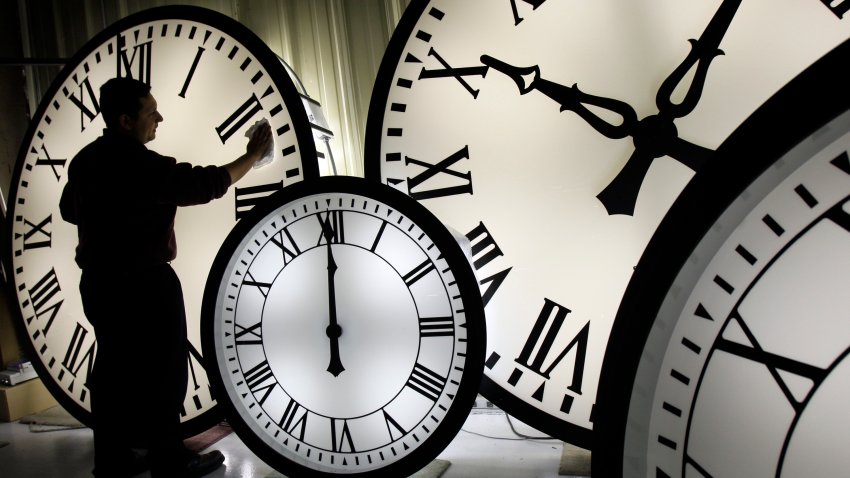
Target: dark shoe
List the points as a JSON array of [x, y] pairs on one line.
[[200, 465]]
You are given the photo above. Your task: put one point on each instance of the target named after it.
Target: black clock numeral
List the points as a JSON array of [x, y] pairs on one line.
[[332, 228], [775, 363], [263, 287], [378, 236], [260, 380], [427, 382], [288, 248], [80, 352], [192, 70], [294, 417], [484, 251], [419, 272], [394, 429], [254, 334], [515, 9], [341, 437], [141, 60], [432, 171], [86, 93], [436, 326], [42, 296], [537, 350], [36, 236], [447, 71], [245, 112], [838, 8], [195, 361], [248, 197], [48, 161]]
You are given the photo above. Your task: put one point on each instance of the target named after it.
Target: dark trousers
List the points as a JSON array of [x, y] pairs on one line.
[[140, 372]]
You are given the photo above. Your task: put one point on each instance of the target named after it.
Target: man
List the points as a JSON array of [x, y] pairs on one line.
[[123, 198]]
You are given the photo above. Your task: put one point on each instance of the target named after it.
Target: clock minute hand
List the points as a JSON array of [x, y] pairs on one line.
[[333, 331], [570, 98], [703, 51]]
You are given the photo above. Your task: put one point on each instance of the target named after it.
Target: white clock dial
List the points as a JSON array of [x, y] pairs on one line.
[[556, 135], [744, 371], [347, 329], [212, 79]]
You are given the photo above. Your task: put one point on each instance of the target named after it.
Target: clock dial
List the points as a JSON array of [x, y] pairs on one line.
[[732, 359], [347, 331], [212, 79], [555, 136]]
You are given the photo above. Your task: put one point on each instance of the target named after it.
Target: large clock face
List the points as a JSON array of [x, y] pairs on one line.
[[212, 79], [347, 331], [556, 135], [735, 362]]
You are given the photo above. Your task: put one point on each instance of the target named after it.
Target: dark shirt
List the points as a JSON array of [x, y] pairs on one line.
[[123, 198]]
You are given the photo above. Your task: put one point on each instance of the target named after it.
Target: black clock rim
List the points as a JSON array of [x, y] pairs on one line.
[[467, 284], [300, 125], [808, 102]]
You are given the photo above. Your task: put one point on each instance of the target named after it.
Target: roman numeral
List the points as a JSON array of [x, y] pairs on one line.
[[342, 442], [260, 379], [48, 161], [294, 417], [36, 235], [332, 229], [457, 73], [394, 429], [195, 361], [289, 249], [86, 93], [263, 287], [41, 295], [254, 334], [419, 272], [484, 251], [141, 60], [538, 347], [248, 197], [515, 9], [435, 172], [378, 236], [191, 74], [427, 382], [239, 117], [79, 353], [436, 326]]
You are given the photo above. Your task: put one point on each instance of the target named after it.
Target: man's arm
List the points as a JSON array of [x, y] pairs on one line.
[[258, 144]]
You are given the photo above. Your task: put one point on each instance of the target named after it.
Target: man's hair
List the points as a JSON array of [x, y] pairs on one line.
[[120, 96]]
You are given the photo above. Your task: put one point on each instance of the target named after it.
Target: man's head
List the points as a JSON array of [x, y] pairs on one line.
[[128, 108]]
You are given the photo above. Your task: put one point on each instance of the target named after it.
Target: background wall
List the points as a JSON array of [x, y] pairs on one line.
[[334, 46]]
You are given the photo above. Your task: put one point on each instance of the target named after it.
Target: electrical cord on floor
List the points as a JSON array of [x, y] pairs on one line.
[[520, 436]]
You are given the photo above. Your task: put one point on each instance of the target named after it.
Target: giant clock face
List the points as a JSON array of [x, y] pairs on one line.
[[347, 331], [212, 79], [733, 360], [556, 135]]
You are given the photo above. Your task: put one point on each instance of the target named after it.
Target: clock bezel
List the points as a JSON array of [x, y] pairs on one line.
[[814, 97], [466, 283], [286, 90]]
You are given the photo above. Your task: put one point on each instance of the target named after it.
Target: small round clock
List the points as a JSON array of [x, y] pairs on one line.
[[345, 330], [730, 354], [556, 135], [212, 78]]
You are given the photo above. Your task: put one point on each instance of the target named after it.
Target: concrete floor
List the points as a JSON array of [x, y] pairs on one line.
[[487, 447]]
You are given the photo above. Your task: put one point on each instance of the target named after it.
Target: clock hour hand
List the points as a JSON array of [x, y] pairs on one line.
[[333, 331], [570, 98]]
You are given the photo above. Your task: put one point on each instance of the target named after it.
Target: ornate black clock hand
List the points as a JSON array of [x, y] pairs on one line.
[[334, 331]]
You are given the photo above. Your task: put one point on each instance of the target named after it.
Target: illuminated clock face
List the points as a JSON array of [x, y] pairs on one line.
[[347, 331], [737, 364], [555, 136], [212, 79]]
